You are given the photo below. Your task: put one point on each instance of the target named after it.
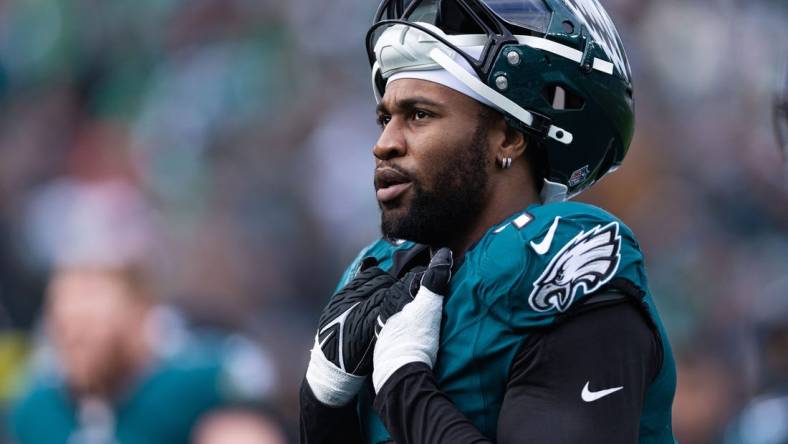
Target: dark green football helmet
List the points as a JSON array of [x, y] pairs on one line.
[[556, 69]]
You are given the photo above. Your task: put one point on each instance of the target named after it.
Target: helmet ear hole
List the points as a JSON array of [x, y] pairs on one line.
[[562, 98]]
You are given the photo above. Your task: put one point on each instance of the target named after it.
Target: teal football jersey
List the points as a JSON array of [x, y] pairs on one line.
[[521, 276]]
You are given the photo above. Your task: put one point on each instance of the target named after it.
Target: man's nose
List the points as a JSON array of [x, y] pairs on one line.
[[391, 142]]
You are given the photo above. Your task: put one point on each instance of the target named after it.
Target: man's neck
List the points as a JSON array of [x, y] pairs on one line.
[[500, 205]]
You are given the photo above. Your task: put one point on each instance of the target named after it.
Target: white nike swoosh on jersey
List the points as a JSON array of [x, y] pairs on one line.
[[544, 246], [589, 396]]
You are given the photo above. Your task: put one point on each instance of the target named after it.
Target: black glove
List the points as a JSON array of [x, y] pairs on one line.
[[404, 290], [342, 355], [346, 327]]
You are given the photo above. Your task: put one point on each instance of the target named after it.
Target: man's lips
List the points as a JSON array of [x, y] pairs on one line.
[[392, 192], [390, 184]]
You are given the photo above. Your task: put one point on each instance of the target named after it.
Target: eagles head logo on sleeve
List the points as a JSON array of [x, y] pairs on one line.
[[589, 261]]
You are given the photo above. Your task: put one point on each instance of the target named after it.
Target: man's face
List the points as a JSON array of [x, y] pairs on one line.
[[432, 161], [89, 313]]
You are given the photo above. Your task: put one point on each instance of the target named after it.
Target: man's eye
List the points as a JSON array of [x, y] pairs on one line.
[[419, 114], [383, 120]]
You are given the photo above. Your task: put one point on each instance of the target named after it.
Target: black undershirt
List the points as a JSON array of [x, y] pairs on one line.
[[607, 344]]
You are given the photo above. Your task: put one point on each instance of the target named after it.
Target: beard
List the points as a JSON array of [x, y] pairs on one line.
[[446, 212]]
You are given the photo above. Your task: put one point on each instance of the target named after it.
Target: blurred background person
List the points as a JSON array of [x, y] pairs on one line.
[[764, 419], [244, 423], [115, 366]]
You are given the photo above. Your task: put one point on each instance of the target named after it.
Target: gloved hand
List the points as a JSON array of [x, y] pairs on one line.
[[412, 333], [342, 354]]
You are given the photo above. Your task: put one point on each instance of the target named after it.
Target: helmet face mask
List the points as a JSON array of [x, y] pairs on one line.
[[452, 17], [547, 65]]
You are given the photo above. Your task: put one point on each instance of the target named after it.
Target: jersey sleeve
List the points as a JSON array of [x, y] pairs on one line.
[[536, 272]]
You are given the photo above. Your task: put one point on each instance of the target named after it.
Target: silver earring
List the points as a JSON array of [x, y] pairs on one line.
[[506, 162]]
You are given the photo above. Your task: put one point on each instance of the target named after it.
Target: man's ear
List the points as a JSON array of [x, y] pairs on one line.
[[514, 144], [505, 141]]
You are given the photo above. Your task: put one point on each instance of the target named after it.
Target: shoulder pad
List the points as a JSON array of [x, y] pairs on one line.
[[550, 256]]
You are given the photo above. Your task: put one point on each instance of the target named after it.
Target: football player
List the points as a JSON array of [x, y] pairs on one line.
[[494, 310]]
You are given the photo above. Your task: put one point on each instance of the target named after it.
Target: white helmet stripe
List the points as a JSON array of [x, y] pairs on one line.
[[538, 43], [500, 101], [563, 51]]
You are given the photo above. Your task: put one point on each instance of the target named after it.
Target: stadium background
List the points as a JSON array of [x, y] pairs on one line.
[[238, 134]]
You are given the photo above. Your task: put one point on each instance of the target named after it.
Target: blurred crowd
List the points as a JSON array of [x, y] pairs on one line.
[[182, 183]]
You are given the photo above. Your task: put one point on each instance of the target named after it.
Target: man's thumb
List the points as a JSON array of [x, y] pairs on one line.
[[438, 274]]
